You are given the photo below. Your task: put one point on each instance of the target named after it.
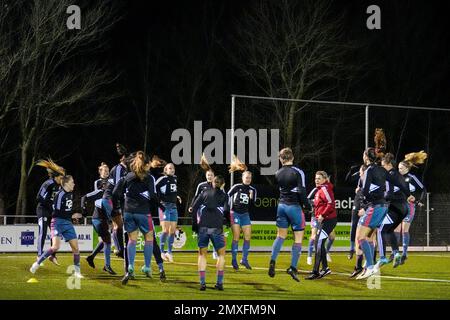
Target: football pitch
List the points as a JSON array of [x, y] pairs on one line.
[[423, 276]]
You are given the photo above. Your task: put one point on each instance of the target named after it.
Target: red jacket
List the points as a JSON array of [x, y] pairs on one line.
[[324, 204]]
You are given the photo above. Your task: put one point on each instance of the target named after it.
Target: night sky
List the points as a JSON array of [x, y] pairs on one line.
[[163, 49]]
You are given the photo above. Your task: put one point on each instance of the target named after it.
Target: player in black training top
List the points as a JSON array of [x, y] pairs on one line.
[[417, 190], [291, 182], [61, 226], [99, 219], [202, 186], [139, 189], [166, 188], [113, 208], [209, 211], [398, 196], [242, 198], [373, 189], [45, 198], [155, 165]]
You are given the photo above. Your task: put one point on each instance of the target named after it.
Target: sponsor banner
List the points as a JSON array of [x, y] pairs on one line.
[[263, 235], [24, 238], [267, 201]]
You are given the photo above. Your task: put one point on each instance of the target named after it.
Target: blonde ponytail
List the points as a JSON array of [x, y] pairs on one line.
[[138, 165]]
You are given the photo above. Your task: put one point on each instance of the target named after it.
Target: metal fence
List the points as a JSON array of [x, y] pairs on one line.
[[431, 225]]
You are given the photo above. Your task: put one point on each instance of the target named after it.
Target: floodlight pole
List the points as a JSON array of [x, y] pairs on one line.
[[233, 101], [367, 127]]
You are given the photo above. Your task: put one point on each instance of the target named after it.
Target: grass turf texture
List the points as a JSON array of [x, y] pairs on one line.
[[182, 280]]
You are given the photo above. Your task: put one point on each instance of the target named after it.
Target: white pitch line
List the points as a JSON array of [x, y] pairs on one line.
[[282, 270], [304, 271]]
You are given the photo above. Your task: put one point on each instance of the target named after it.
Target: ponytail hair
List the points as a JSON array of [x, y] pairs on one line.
[[204, 164], [52, 168], [138, 166], [380, 143], [157, 162], [237, 165], [414, 158]]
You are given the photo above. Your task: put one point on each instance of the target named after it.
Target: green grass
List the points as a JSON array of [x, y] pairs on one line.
[[182, 282]]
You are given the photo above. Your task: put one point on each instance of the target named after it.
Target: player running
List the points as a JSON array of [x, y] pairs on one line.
[[210, 208], [398, 196], [242, 197], [139, 189], [155, 165], [99, 219], [45, 198], [166, 187], [202, 186], [61, 226], [291, 182], [373, 188], [112, 209], [417, 190]]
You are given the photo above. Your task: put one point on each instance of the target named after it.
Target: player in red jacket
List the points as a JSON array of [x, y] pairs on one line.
[[325, 213]]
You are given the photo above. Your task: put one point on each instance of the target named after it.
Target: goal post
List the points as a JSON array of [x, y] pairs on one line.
[[364, 118]]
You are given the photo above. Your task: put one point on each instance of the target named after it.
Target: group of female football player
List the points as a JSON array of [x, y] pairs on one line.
[[126, 196]]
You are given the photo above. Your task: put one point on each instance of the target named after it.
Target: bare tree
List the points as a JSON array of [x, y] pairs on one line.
[[415, 81], [46, 73], [292, 49]]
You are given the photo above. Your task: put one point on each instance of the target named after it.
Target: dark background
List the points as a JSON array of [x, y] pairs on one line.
[[176, 64]]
